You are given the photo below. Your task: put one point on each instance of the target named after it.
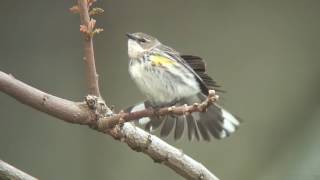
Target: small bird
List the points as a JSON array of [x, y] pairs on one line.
[[168, 78]]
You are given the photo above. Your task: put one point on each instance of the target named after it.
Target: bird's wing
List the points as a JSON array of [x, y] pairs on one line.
[[195, 65], [199, 66]]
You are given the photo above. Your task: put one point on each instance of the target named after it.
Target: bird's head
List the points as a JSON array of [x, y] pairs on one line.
[[138, 43]]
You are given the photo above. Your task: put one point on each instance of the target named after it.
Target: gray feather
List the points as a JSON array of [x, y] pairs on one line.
[[213, 120], [203, 131], [179, 127], [192, 128], [167, 127], [155, 122]]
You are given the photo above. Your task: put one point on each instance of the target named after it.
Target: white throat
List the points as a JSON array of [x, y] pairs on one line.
[[134, 49]]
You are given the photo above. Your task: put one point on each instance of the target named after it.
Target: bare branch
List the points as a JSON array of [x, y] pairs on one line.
[[79, 113], [72, 112], [162, 152], [91, 73], [8, 172]]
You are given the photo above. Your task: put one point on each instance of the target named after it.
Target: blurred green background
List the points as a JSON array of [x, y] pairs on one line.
[[264, 53]]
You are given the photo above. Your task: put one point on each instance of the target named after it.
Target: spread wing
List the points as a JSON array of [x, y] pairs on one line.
[[199, 66], [194, 64]]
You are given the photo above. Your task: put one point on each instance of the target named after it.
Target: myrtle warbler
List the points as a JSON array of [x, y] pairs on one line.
[[168, 78]]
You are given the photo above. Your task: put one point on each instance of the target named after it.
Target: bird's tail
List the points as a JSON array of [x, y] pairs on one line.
[[216, 121]]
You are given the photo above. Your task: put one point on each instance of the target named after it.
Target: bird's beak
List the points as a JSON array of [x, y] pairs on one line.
[[131, 36]]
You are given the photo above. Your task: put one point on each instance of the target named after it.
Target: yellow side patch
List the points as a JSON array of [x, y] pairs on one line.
[[160, 60]]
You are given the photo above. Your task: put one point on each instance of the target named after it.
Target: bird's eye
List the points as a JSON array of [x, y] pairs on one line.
[[142, 40]]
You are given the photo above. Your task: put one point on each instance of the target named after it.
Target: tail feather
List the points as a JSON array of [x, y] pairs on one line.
[[217, 121], [167, 127], [192, 128], [154, 123], [220, 123], [179, 127], [213, 127], [213, 121], [203, 131]]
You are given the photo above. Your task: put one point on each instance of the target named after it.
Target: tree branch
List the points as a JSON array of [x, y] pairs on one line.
[[94, 112], [79, 113], [72, 112], [91, 73], [162, 152], [8, 172]]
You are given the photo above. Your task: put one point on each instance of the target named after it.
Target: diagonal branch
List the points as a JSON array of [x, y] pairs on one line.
[[162, 152], [9, 172]]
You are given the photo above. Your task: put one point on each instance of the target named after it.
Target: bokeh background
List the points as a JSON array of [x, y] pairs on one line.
[[264, 53]]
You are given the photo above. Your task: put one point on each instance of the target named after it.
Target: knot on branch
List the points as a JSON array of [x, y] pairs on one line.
[[99, 107], [115, 132], [91, 101], [45, 98], [138, 145]]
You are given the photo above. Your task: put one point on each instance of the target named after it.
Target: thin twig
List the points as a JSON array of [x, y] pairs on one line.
[[91, 73], [8, 172], [122, 117]]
